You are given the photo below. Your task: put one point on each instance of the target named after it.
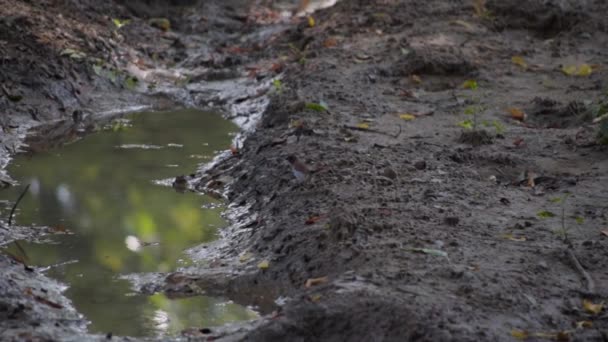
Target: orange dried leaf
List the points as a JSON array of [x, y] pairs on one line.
[[315, 281], [330, 42], [276, 67], [518, 142], [517, 114]]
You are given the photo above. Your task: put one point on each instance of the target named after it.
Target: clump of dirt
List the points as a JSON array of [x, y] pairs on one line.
[[548, 113], [476, 137]]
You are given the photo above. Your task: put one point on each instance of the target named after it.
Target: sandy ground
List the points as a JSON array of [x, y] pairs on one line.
[[408, 226]]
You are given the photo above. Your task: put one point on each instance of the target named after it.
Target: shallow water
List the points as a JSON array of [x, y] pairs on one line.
[[111, 218]]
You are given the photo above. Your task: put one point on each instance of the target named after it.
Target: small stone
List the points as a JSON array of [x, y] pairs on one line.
[[420, 165], [451, 221], [389, 173]]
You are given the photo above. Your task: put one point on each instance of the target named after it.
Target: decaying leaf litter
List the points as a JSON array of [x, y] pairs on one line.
[[434, 233]]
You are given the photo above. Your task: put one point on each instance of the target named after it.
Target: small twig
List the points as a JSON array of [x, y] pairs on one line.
[[371, 130], [10, 221], [581, 270], [10, 217]]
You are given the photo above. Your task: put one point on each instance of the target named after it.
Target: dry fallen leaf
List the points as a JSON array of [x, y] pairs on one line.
[[312, 220], [407, 116], [584, 324], [518, 142], [514, 238], [577, 70], [246, 256], [330, 42], [463, 24], [519, 60], [315, 281], [592, 308], [315, 298], [517, 114], [520, 334], [311, 21], [263, 265], [429, 251], [416, 79], [605, 232], [363, 125]]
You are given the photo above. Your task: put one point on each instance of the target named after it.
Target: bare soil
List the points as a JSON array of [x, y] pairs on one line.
[[411, 227]]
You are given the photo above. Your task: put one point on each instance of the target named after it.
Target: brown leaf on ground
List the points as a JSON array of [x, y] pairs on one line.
[[517, 114], [312, 220], [315, 281], [592, 308], [330, 42]]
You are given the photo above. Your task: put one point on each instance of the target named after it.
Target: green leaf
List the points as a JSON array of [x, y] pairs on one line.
[[428, 251], [131, 82], [97, 69], [579, 220], [498, 126], [319, 107], [556, 200], [470, 84], [471, 110], [120, 23], [545, 214], [278, 85], [466, 124], [74, 54]]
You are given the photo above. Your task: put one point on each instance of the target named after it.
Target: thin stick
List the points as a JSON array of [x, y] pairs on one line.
[[10, 217], [581, 270]]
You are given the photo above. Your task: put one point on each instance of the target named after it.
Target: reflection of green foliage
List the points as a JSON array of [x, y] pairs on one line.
[[110, 196], [199, 311]]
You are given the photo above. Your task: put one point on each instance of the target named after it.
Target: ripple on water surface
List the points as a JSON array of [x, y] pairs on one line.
[[111, 218]]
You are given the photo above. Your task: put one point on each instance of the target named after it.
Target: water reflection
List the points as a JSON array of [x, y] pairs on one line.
[[101, 189]]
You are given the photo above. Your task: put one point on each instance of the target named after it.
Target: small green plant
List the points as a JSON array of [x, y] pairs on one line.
[[600, 113], [278, 86], [475, 111], [563, 229], [120, 23]]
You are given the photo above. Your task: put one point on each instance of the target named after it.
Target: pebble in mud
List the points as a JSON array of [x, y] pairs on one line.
[[420, 165]]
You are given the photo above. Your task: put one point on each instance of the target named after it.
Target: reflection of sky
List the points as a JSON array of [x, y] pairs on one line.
[[122, 222]]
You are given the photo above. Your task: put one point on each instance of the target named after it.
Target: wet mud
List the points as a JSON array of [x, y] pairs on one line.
[[407, 226]]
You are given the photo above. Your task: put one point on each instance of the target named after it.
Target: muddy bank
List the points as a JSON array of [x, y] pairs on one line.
[[413, 225]]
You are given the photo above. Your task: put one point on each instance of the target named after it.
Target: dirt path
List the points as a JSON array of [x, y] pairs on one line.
[[411, 227]]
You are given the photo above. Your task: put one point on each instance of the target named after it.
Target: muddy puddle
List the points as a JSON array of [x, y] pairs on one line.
[[104, 199]]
